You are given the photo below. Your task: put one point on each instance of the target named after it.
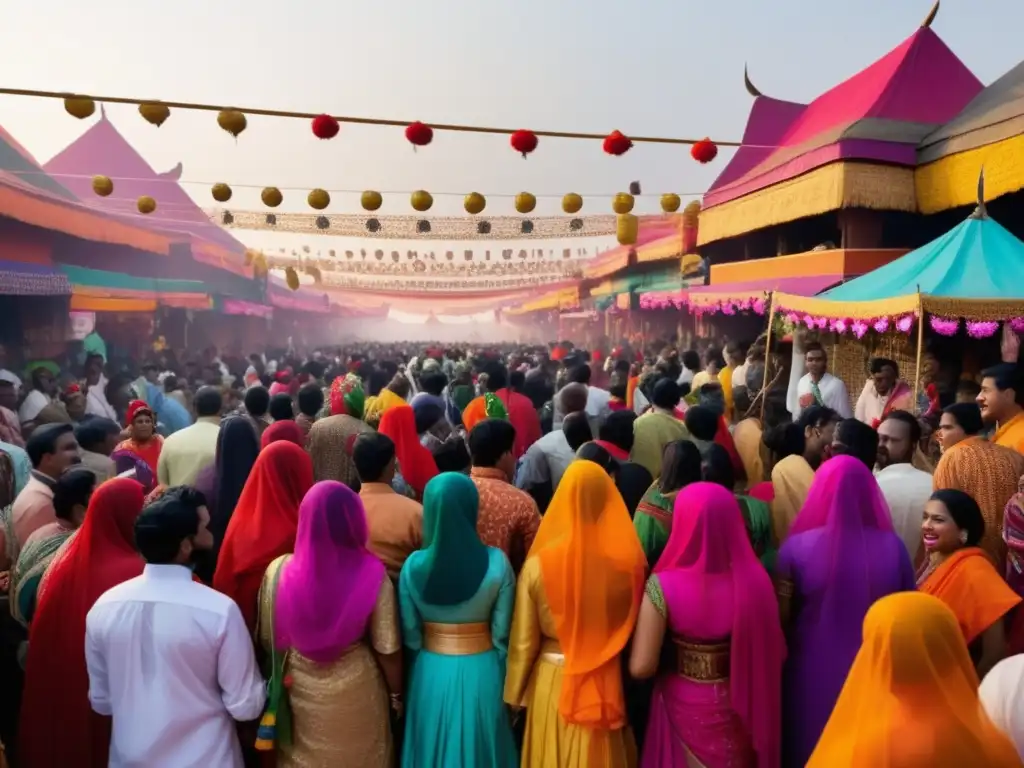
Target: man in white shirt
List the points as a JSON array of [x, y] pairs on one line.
[[906, 489], [543, 465], [598, 399], [818, 386], [43, 392], [169, 658], [96, 402]]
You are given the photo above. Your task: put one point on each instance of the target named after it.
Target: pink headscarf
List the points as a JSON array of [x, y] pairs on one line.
[[709, 539], [331, 568]]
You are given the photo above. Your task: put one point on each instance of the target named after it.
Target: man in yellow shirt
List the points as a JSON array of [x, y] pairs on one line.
[[1002, 403]]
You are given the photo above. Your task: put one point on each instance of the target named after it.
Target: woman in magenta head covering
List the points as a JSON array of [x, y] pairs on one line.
[[720, 703], [332, 610], [841, 555]]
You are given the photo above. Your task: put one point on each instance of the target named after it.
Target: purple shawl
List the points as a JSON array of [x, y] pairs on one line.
[[328, 589]]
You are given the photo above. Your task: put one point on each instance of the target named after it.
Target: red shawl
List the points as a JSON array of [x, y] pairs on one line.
[[415, 462], [523, 416], [58, 726]]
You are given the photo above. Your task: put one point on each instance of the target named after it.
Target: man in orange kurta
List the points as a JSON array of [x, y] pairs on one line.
[[1002, 403]]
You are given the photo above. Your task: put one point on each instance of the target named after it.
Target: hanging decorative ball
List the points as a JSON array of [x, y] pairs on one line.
[[419, 134], [626, 226], [634, 188], [232, 121], [524, 142], [250, 256], [623, 203], [572, 203], [227, 219], [616, 143], [371, 200], [526, 227], [704, 151], [221, 193], [271, 197], [373, 225], [79, 106], [259, 266], [322, 222], [291, 277], [318, 199], [691, 213], [483, 228], [146, 204], [576, 225], [102, 185], [474, 203], [525, 202], [421, 200], [423, 226], [670, 202], [325, 127], [331, 253], [154, 113], [272, 219]]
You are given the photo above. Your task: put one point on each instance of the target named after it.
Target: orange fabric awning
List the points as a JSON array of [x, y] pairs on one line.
[[81, 303]]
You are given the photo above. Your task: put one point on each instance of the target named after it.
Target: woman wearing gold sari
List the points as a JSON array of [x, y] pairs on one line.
[[576, 604]]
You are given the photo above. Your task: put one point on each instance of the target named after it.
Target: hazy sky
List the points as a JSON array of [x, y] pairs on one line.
[[644, 67]]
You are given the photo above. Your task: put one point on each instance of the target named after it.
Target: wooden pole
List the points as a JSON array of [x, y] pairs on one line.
[[920, 350], [767, 356]]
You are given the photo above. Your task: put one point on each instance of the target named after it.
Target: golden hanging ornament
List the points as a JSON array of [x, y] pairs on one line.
[[79, 106], [271, 197], [474, 203], [250, 256], [371, 200], [691, 213], [232, 121], [525, 202], [318, 199], [670, 202], [259, 266], [146, 204], [291, 277], [102, 185], [623, 203], [154, 113], [421, 200], [221, 192], [626, 228], [572, 203]]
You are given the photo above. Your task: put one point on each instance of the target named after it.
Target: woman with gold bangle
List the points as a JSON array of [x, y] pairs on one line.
[[456, 597], [576, 605]]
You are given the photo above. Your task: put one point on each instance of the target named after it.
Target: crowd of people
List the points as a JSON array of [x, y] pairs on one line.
[[541, 556]]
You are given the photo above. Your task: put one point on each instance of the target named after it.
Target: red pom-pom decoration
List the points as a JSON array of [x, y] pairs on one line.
[[704, 151], [419, 134], [325, 127], [615, 143], [523, 142]]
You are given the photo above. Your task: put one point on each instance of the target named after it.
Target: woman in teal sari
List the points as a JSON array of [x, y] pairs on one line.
[[70, 500], [456, 597], [757, 514], [680, 466]]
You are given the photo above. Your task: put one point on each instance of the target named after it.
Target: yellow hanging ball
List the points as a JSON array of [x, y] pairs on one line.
[[525, 202], [474, 203], [250, 256], [421, 200], [622, 203], [318, 199], [154, 113], [271, 197], [691, 213], [670, 202], [626, 227], [371, 200], [291, 277], [146, 204], [102, 185], [572, 203], [221, 192], [259, 265], [232, 121], [79, 106]]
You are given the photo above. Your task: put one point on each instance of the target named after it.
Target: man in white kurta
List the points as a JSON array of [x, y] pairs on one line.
[[906, 488], [819, 387], [168, 658]]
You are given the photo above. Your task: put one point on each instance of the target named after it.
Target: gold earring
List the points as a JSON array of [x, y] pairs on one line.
[[963, 537]]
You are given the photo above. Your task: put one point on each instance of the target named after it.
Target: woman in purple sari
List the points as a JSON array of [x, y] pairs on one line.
[[719, 705], [841, 555], [329, 624]]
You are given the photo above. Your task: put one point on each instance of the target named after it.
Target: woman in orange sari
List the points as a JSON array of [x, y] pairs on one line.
[[958, 572], [576, 604], [143, 440], [911, 698]]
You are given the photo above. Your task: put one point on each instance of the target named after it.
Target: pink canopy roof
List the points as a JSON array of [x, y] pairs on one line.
[[879, 114], [102, 150]]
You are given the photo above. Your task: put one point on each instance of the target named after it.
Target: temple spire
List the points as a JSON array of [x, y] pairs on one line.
[[931, 15], [751, 88], [981, 212]]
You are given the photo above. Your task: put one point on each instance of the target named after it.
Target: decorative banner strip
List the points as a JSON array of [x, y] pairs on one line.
[[418, 228]]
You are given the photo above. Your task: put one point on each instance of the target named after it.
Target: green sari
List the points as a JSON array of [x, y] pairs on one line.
[[653, 522], [27, 574], [757, 515]]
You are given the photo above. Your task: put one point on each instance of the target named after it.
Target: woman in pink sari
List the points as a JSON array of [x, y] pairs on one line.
[[720, 705]]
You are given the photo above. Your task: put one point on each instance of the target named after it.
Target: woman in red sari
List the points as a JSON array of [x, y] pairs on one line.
[[415, 462], [143, 440], [264, 524], [58, 726], [283, 430]]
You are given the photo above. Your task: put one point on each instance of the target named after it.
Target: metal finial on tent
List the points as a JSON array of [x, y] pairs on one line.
[[931, 15], [981, 212], [751, 88]]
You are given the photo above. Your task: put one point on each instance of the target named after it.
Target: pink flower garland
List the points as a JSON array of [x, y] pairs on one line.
[[982, 329], [944, 326]]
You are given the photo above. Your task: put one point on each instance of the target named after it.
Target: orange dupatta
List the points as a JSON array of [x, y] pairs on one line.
[[968, 583], [593, 571], [911, 698]]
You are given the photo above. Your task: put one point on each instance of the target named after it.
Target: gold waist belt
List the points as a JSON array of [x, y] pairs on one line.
[[457, 639], [703, 662]]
